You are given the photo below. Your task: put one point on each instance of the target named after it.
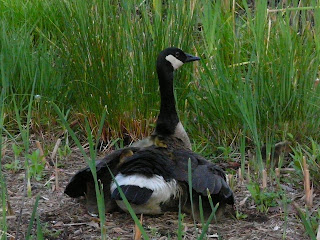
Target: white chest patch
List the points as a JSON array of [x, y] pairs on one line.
[[162, 191], [176, 63], [181, 133]]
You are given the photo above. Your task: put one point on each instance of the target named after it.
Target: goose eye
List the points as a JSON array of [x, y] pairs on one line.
[[177, 54]]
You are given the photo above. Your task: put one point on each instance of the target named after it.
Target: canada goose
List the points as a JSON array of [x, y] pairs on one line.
[[154, 172], [168, 123]]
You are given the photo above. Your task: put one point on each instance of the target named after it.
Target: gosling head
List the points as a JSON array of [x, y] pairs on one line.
[[174, 58]]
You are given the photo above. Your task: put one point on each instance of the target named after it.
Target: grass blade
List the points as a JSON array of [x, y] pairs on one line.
[[191, 190], [2, 178], [35, 206], [180, 222], [91, 162], [39, 230]]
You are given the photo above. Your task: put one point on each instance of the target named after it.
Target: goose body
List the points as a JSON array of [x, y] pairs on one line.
[[153, 173], [154, 180]]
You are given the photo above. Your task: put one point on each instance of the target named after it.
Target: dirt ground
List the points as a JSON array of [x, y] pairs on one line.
[[65, 218]]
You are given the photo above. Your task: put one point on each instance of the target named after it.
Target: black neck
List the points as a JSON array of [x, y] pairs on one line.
[[168, 117]]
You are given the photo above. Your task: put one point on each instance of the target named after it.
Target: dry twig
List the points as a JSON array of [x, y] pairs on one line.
[[55, 149], [264, 179], [137, 232], [277, 172], [240, 175], [308, 190]]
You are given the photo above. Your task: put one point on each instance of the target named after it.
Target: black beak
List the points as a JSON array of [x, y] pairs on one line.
[[191, 58]]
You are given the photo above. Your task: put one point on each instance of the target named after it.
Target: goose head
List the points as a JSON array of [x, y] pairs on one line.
[[173, 58]]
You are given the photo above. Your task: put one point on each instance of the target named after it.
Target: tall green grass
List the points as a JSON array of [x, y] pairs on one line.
[[259, 74], [257, 70]]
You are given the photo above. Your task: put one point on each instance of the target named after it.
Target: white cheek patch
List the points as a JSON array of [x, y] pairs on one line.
[[176, 63]]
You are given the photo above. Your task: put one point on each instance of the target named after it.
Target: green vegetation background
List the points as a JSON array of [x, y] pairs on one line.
[[256, 77]]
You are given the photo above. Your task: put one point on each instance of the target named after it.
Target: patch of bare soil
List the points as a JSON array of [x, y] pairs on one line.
[[65, 218]]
